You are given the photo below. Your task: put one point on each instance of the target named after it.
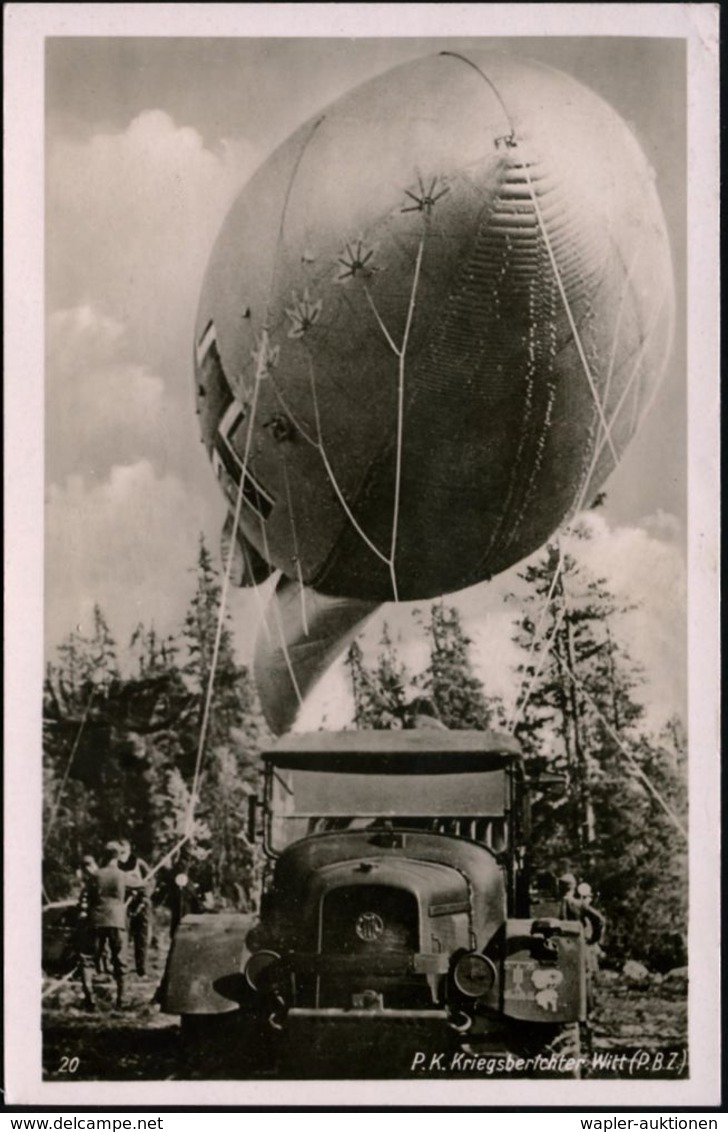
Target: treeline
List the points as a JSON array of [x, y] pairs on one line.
[[609, 799], [121, 750]]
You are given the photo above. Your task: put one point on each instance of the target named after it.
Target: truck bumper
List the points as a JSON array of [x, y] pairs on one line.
[[338, 1014]]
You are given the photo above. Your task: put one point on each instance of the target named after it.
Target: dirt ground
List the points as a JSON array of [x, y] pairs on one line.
[[636, 1030]]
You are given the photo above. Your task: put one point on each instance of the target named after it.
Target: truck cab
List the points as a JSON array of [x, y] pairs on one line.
[[396, 895]]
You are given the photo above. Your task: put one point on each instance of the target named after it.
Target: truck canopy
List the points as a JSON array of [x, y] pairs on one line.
[[417, 751]]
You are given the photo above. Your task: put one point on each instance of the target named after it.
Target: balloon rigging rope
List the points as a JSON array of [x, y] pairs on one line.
[[663, 360], [618, 324], [402, 356], [628, 386], [279, 626], [606, 427], [625, 750], [522, 697], [518, 144], [262, 356], [67, 771], [400, 353], [580, 686], [296, 554], [58, 983], [256, 590], [189, 819], [330, 472], [380, 321], [570, 316]]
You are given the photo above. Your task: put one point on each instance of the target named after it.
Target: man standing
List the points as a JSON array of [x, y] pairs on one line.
[[576, 905], [104, 898], [86, 937], [593, 921], [139, 905]]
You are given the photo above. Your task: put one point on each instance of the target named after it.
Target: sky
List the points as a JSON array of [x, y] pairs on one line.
[[148, 141]]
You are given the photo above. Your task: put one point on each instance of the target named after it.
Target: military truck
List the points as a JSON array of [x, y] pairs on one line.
[[394, 916]]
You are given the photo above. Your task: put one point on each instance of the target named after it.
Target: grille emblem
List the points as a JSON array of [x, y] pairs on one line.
[[369, 926]]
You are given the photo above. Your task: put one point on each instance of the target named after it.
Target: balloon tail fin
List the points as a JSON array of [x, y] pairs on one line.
[[304, 633]]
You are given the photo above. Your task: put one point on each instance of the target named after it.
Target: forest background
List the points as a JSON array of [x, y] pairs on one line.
[[123, 755]]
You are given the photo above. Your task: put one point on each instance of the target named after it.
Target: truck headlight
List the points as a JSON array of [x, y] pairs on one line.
[[474, 975], [257, 966]]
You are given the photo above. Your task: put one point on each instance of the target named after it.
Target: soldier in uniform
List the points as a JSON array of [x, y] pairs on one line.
[[103, 904], [576, 905], [593, 921], [85, 940], [139, 905]]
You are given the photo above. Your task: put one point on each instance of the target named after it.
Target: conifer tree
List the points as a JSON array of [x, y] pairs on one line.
[[449, 680], [380, 693], [227, 766], [579, 715]]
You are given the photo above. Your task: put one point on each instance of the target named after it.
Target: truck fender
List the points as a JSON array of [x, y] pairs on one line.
[[544, 971], [204, 971]]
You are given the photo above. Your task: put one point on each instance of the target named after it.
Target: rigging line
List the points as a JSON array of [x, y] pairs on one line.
[[539, 634], [58, 983], [67, 771], [289, 412], [638, 417], [578, 506], [380, 323], [617, 326], [297, 557], [624, 749], [225, 586], [549, 250], [262, 355], [570, 316], [599, 446], [663, 362], [167, 856], [256, 590], [330, 472], [400, 416], [284, 209], [282, 637], [261, 359], [464, 59], [523, 703]]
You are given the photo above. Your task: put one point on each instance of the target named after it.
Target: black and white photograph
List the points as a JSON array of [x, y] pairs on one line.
[[372, 709]]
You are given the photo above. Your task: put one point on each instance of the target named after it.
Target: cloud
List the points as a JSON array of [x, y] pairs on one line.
[[120, 544], [650, 572], [101, 408], [130, 221], [663, 526]]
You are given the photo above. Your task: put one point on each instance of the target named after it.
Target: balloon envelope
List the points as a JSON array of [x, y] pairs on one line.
[[430, 326]]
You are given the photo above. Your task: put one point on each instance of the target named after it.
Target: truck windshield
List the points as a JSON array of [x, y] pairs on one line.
[[304, 801]]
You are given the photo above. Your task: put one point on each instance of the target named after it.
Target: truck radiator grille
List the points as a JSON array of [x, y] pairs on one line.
[[369, 919]]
